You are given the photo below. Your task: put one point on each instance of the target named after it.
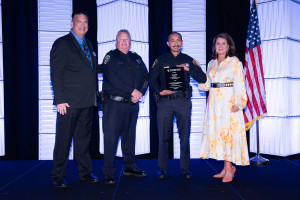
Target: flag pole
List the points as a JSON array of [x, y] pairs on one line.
[[258, 159]]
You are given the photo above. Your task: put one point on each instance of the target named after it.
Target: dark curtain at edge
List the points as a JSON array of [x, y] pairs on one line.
[[232, 17], [160, 25], [20, 63]]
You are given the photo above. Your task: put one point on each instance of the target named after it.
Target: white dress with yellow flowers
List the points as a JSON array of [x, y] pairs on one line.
[[224, 135]]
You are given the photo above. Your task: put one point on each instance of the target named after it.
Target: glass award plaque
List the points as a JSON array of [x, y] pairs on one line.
[[174, 78]]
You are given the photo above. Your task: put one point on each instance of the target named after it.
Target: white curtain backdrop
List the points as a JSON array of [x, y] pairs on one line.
[[280, 32], [54, 21], [2, 146], [132, 15], [192, 26]]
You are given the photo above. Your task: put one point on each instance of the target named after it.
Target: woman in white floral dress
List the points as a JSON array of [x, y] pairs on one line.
[[224, 136]]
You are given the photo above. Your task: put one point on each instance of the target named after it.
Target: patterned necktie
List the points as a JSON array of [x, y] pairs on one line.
[[86, 52], [85, 49]]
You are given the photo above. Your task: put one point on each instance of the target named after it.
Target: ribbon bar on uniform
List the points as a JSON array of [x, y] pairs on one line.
[[218, 85]]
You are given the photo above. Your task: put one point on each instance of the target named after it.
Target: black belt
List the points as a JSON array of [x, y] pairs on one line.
[[218, 85], [118, 98], [176, 95]]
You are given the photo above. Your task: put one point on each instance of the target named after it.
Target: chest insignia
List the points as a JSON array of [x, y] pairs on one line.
[[138, 61]]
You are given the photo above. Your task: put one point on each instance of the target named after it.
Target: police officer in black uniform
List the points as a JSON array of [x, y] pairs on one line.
[[171, 103], [125, 81]]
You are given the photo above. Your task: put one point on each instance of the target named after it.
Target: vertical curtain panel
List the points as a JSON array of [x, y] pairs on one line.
[[189, 18], [132, 15], [54, 21], [280, 32]]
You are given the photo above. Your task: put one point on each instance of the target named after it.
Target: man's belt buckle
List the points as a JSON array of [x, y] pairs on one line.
[[119, 98], [178, 95]]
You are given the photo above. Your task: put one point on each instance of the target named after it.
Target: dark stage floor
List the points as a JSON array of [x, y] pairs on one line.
[[31, 180]]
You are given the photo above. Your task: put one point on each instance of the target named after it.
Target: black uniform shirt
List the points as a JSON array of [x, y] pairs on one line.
[[157, 78], [122, 73]]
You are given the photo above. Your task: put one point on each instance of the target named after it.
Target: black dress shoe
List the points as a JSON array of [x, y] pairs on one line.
[[162, 174], [60, 183], [90, 178], [186, 174], [134, 172], [109, 181]]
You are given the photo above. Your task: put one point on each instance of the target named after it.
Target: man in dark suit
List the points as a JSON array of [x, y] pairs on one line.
[[74, 79]]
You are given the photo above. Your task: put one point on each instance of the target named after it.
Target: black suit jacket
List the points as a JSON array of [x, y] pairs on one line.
[[73, 79]]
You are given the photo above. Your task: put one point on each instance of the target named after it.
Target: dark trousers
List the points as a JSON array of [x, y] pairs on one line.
[[167, 109], [76, 125], [119, 120]]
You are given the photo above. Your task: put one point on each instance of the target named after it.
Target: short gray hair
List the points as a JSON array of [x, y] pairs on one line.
[[123, 31]]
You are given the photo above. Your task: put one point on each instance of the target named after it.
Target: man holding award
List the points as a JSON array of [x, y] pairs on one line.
[[169, 80]]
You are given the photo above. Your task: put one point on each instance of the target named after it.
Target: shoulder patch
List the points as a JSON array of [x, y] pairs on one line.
[[106, 59], [195, 63], [155, 62]]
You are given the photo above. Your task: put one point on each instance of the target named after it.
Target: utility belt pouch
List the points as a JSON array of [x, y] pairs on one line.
[[189, 92], [156, 96]]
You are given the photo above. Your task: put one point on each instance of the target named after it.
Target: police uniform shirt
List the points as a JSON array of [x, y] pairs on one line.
[[157, 79], [122, 73]]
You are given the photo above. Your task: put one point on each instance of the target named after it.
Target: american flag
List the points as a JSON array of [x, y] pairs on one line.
[[256, 106]]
